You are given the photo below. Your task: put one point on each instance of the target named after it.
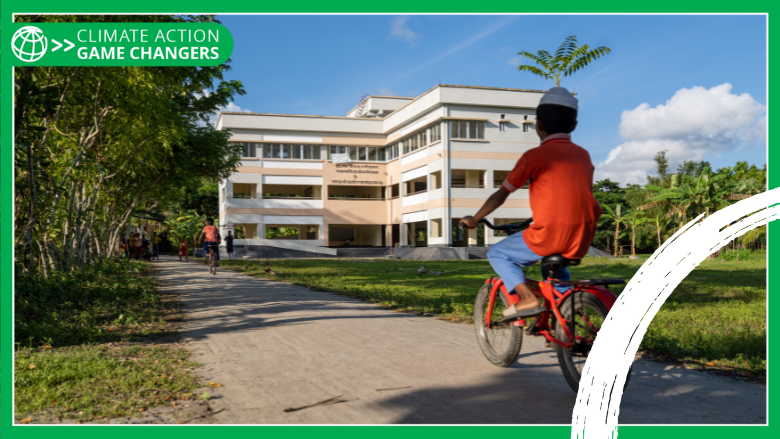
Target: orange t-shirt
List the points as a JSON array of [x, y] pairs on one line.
[[565, 212], [211, 233]]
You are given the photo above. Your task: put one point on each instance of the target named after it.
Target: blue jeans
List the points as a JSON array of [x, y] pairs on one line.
[[510, 254], [157, 251], [206, 248]]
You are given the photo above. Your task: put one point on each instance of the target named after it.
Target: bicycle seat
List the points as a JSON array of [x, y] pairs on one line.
[[559, 260]]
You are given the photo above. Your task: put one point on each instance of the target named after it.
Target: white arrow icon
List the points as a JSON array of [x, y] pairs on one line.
[[57, 43], [70, 45]]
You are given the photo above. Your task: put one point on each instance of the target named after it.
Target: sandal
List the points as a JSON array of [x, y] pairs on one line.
[[511, 314]]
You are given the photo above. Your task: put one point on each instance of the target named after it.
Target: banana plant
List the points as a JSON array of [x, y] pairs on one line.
[[619, 218]]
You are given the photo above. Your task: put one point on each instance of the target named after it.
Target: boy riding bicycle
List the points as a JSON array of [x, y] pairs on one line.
[[564, 210], [212, 238]]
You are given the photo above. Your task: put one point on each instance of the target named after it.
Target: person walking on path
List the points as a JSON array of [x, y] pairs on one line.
[[229, 244], [156, 246], [183, 251], [139, 243]]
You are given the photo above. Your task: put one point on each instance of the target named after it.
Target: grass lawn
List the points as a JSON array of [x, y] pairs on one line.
[[716, 318], [92, 345], [98, 381]]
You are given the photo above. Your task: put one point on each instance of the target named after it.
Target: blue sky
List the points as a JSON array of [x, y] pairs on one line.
[[321, 65]]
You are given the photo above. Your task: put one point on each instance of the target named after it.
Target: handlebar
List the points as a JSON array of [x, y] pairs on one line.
[[509, 228]]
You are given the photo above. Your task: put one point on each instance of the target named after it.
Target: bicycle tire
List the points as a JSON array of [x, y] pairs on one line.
[[571, 372], [512, 336]]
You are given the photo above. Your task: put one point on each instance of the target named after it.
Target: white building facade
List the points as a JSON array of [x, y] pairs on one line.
[[393, 172]]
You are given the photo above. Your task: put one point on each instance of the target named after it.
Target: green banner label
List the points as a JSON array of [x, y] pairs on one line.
[[120, 44]]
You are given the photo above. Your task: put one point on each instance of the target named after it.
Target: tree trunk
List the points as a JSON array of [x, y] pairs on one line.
[[617, 237]]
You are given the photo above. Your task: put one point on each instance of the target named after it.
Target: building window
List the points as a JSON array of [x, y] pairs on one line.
[[435, 133], [462, 129], [272, 151], [294, 152], [249, 151], [502, 126]]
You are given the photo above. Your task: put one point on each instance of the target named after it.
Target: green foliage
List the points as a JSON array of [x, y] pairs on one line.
[[187, 225], [94, 146], [278, 232], [568, 59], [100, 303], [94, 382]]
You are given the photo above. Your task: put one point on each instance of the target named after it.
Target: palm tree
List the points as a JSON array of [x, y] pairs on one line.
[[617, 216], [568, 59], [756, 236], [705, 195], [634, 220]]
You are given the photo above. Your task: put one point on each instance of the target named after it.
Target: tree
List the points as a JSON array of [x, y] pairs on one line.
[[634, 220], [704, 195], [662, 166], [568, 59], [607, 193], [94, 146], [617, 216], [203, 198]]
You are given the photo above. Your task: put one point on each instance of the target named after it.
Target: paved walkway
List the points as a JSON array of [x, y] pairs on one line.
[[275, 346]]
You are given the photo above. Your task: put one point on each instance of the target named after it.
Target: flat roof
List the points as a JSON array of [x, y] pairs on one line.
[[391, 97]]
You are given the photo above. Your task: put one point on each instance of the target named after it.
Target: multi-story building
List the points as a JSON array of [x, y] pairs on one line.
[[392, 172]]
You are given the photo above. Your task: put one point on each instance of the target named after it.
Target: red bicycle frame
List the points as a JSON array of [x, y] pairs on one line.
[[552, 299]]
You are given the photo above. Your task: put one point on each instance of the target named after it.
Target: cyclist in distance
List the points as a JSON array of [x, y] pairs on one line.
[[565, 212], [211, 234]]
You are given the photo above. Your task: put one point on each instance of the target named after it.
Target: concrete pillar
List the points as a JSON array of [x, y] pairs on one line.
[[260, 231], [389, 235], [489, 179], [412, 235], [434, 228], [229, 189], [302, 232], [446, 182], [322, 232], [472, 237], [472, 177]]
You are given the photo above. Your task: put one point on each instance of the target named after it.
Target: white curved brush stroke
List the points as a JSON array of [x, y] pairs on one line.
[[597, 407]]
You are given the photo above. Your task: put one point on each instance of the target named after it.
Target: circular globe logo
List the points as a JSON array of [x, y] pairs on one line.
[[29, 44]]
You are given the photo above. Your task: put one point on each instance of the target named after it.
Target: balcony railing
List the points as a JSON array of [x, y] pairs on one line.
[[415, 193], [468, 186], [355, 199], [292, 197]]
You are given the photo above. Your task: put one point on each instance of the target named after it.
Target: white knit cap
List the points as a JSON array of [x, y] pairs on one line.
[[559, 96]]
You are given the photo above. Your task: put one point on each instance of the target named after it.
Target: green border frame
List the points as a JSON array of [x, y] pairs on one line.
[[9, 7]]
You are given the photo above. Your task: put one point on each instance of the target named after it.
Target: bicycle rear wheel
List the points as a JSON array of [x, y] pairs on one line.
[[500, 342], [590, 313]]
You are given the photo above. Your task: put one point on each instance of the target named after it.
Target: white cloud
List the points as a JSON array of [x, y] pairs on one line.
[[399, 30], [230, 107], [515, 61], [693, 124]]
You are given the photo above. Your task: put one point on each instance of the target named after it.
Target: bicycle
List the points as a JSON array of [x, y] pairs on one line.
[[211, 259], [501, 338]]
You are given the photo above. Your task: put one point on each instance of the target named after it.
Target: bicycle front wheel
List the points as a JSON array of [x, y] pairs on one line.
[[500, 342]]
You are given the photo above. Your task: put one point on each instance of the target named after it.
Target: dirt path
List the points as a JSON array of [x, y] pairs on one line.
[[275, 346]]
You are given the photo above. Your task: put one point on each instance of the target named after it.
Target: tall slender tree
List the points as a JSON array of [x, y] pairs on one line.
[[568, 59]]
